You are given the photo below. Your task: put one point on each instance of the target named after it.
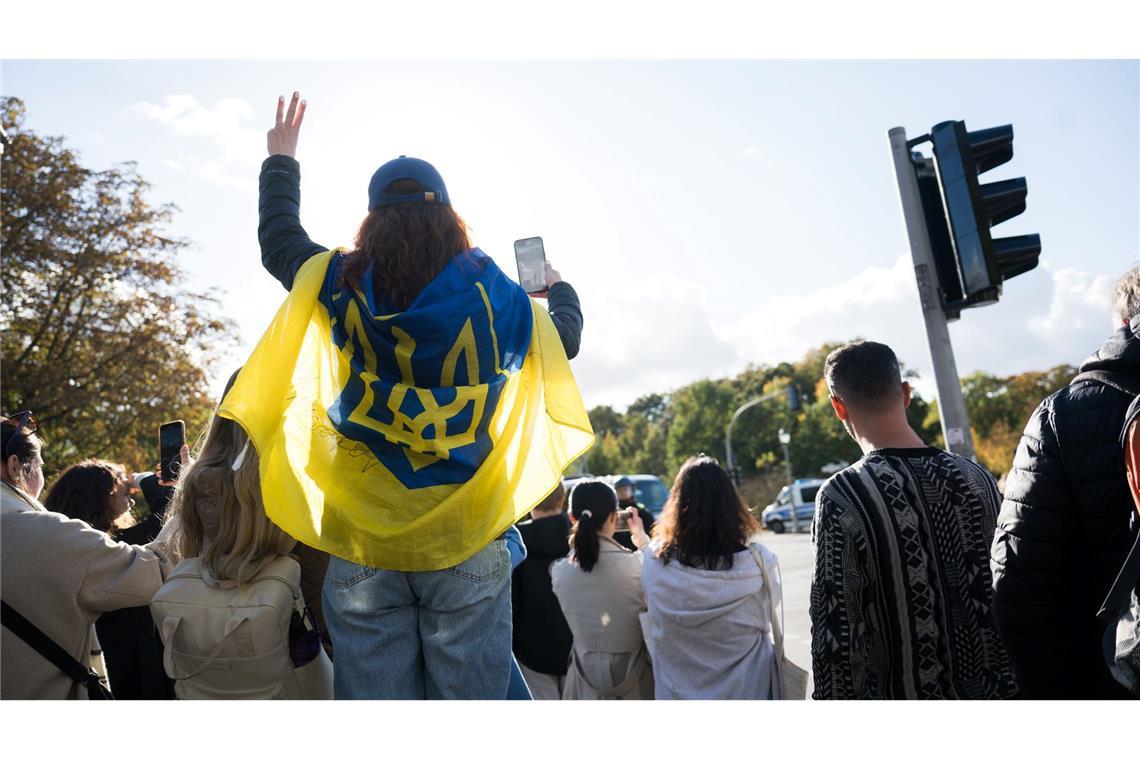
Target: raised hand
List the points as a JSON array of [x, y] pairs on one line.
[[282, 139]]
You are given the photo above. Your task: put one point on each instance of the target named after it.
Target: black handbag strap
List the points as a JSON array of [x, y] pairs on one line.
[[52, 652], [1118, 596]]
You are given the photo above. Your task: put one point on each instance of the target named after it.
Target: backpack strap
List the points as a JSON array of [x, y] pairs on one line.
[[53, 652], [170, 627], [1127, 385], [1118, 596]]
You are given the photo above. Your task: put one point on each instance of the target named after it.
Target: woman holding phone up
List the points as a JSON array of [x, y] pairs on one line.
[[423, 345], [599, 589]]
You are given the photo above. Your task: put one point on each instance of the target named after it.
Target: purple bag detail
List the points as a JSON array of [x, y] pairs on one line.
[[304, 637]]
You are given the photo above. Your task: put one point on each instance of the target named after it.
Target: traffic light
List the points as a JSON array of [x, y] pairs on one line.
[[794, 403], [970, 210], [945, 265]]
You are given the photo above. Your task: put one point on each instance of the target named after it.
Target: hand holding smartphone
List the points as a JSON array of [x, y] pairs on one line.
[[171, 439], [622, 520], [530, 256]]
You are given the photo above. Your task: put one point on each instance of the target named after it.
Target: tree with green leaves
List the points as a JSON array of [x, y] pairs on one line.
[[101, 338]]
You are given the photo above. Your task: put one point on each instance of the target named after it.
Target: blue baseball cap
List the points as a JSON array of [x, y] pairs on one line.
[[431, 188]]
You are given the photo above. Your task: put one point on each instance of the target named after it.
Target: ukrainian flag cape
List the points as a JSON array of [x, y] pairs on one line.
[[408, 440]]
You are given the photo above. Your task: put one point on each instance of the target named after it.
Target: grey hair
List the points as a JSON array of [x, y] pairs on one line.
[[1126, 295]]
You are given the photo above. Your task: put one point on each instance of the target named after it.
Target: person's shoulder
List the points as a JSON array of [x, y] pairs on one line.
[[770, 557], [650, 553], [833, 487], [1085, 395], [836, 502], [967, 465]]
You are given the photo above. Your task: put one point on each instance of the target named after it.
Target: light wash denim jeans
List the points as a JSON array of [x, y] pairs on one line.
[[443, 634]]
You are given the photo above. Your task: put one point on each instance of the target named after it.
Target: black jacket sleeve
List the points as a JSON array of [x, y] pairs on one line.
[[285, 246], [157, 499], [566, 311], [1034, 564]]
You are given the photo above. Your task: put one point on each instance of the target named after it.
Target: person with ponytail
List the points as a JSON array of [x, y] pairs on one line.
[[599, 589]]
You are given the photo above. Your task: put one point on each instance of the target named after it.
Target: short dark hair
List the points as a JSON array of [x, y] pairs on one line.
[[864, 375], [555, 502], [21, 444]]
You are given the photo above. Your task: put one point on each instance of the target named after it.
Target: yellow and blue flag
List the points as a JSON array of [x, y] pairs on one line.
[[408, 440]]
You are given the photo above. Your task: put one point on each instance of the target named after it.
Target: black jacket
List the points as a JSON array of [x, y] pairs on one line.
[[541, 637], [1063, 532], [625, 538], [285, 246], [131, 645]]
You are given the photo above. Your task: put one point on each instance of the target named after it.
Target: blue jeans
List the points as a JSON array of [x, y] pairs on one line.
[[442, 634]]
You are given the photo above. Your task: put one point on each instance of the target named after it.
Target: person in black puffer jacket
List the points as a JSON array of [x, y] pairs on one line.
[[542, 639], [1063, 530]]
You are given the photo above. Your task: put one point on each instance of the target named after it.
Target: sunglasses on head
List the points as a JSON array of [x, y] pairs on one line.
[[19, 422]]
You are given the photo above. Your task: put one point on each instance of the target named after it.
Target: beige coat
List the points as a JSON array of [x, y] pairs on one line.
[[608, 659], [61, 574]]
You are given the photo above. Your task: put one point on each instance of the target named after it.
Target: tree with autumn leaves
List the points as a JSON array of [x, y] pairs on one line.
[[658, 432], [102, 339]]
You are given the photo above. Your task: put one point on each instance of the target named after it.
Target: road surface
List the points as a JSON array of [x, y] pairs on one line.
[[794, 552]]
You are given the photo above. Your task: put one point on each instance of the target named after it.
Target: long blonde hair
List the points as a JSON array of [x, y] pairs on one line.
[[222, 514]]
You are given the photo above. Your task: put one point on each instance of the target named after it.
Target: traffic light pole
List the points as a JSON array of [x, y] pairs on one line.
[[951, 403]]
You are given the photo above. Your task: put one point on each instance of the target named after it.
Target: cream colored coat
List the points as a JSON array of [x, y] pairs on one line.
[[609, 659], [61, 574]]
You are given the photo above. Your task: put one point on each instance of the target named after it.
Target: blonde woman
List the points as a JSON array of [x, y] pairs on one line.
[[223, 522]]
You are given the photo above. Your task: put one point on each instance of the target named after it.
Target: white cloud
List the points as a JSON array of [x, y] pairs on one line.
[[1079, 300], [650, 340], [801, 317], [662, 337], [237, 147]]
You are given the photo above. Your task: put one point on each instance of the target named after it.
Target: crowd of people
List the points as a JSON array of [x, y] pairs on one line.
[[449, 575]]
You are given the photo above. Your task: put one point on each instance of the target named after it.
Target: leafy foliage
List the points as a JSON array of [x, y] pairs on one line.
[[658, 432], [101, 339]]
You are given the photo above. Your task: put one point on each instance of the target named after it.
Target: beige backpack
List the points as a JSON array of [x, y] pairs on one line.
[[222, 640]]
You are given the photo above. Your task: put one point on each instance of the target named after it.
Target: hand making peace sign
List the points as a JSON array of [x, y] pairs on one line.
[[282, 139]]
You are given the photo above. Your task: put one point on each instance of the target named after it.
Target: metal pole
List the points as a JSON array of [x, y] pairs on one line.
[[951, 403], [728, 431], [791, 488]]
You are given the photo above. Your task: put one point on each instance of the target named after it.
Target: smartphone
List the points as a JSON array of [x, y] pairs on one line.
[[623, 520], [531, 259], [171, 438]]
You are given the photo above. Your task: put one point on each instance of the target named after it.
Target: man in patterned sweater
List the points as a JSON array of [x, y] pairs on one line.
[[900, 595]]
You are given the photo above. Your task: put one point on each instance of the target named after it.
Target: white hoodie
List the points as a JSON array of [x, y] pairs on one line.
[[708, 631]]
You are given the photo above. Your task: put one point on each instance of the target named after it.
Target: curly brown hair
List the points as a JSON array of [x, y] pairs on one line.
[[407, 245], [85, 491], [704, 522]]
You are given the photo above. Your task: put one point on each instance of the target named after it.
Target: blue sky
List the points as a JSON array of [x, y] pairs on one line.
[[711, 214]]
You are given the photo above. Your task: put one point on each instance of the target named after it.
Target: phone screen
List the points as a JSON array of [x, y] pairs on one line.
[[171, 437], [531, 259], [623, 520]]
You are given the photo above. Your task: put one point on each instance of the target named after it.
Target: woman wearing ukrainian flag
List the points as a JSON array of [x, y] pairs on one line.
[[409, 402]]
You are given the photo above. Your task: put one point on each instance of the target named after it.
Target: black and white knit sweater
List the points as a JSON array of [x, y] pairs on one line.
[[901, 592]]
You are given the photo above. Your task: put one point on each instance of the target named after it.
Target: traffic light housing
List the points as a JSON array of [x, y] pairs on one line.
[[972, 264]]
